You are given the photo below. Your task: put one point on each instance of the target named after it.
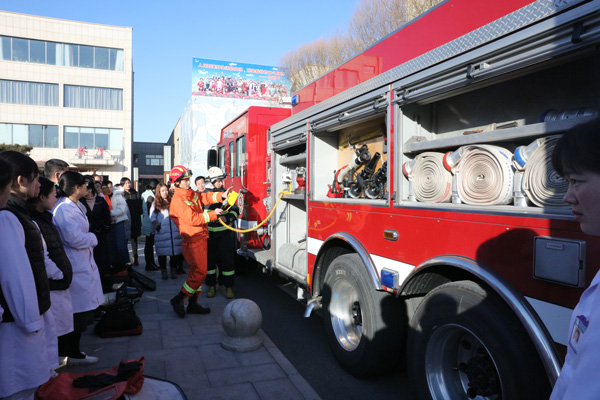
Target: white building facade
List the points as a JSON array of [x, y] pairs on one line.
[[66, 88]]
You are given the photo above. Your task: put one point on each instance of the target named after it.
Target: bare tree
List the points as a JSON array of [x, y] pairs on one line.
[[371, 21]]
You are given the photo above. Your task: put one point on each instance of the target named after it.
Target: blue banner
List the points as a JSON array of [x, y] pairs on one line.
[[238, 80]]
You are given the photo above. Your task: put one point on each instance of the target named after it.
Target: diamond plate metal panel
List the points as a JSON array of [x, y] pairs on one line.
[[516, 20]]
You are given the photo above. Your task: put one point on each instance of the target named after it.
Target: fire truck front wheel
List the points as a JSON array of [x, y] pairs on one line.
[[464, 343], [362, 324]]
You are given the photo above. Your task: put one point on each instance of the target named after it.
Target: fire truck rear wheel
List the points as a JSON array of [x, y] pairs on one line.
[[464, 343], [362, 324]]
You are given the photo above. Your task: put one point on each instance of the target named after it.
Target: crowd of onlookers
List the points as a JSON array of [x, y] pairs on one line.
[[63, 236]]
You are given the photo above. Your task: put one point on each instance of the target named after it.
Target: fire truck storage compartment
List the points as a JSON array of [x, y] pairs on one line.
[[510, 110], [336, 147], [289, 240]]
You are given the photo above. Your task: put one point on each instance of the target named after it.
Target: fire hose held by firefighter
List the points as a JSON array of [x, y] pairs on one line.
[[231, 199]]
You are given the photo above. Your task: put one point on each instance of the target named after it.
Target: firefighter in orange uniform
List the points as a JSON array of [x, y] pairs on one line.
[[187, 212]]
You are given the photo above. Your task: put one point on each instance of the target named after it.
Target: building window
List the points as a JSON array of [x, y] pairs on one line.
[[93, 97], [32, 135], [29, 93], [93, 138], [154, 160], [70, 55]]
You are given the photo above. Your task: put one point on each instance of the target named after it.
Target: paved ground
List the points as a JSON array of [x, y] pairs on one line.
[[188, 352]]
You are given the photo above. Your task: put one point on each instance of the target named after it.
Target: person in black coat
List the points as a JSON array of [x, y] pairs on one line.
[[134, 203], [98, 215]]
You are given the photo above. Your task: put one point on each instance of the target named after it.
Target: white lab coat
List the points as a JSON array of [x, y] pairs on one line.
[[49, 317], [79, 242], [579, 375], [23, 355]]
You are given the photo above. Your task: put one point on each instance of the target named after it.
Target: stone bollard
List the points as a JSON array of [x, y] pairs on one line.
[[242, 320]]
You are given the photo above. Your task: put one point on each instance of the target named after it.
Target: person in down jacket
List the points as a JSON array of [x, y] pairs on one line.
[[167, 240], [119, 254]]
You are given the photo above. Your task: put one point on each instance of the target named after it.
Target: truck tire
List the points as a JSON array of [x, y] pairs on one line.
[[464, 343], [362, 324]]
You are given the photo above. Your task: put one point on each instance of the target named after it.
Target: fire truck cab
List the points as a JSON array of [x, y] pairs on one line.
[[431, 223], [242, 155]]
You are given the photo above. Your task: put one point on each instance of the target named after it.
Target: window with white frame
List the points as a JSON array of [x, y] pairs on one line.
[[96, 98], [93, 138], [28, 93], [31, 135], [65, 54]]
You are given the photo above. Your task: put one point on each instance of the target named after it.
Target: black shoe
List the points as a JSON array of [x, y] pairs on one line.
[[164, 273], [151, 266], [195, 308], [181, 271], [135, 261], [177, 303], [173, 273]]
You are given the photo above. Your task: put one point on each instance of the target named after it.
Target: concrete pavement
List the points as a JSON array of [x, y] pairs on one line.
[[188, 352]]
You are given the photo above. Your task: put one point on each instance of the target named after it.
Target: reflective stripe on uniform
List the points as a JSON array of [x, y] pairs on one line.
[[211, 271], [228, 273], [216, 228], [189, 289], [206, 217], [215, 199]]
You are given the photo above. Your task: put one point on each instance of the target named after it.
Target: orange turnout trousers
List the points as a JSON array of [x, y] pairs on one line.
[[194, 253]]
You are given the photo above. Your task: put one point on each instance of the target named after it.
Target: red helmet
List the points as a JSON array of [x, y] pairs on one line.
[[179, 172]]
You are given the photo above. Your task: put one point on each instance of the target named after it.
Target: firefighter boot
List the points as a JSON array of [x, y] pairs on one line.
[[177, 303], [229, 294], [212, 292], [195, 308]]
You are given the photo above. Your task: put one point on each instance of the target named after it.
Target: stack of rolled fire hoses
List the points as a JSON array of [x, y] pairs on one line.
[[541, 184]]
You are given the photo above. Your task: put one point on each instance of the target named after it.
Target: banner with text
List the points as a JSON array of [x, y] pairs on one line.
[[238, 80]]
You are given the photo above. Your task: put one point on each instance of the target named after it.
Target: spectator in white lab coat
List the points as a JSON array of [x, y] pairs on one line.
[[79, 242], [24, 362]]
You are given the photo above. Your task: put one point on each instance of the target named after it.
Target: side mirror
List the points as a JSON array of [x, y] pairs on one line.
[[212, 158]]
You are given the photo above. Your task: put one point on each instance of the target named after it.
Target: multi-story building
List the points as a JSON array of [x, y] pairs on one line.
[[66, 88], [150, 161]]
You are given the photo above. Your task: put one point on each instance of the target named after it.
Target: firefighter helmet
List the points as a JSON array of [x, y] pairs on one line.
[[178, 173], [215, 174]]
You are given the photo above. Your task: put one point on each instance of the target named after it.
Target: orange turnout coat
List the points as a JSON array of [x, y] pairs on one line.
[[186, 210]]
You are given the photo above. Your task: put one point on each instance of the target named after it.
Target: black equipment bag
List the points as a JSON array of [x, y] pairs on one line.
[[144, 281], [119, 320]]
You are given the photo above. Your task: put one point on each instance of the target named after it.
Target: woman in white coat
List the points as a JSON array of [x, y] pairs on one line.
[[24, 363], [79, 242]]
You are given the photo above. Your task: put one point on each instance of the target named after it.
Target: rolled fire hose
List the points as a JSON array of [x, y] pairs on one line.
[[281, 193], [432, 183], [484, 175], [541, 183]]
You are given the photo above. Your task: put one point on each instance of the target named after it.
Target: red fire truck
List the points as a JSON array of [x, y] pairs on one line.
[[242, 155], [431, 226]]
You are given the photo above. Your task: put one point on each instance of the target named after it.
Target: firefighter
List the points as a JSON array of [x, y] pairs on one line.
[[186, 210], [221, 242]]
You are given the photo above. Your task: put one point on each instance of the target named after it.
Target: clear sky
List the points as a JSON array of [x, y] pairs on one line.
[[167, 34]]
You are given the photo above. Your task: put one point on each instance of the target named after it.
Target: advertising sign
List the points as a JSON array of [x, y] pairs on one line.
[[235, 80]]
